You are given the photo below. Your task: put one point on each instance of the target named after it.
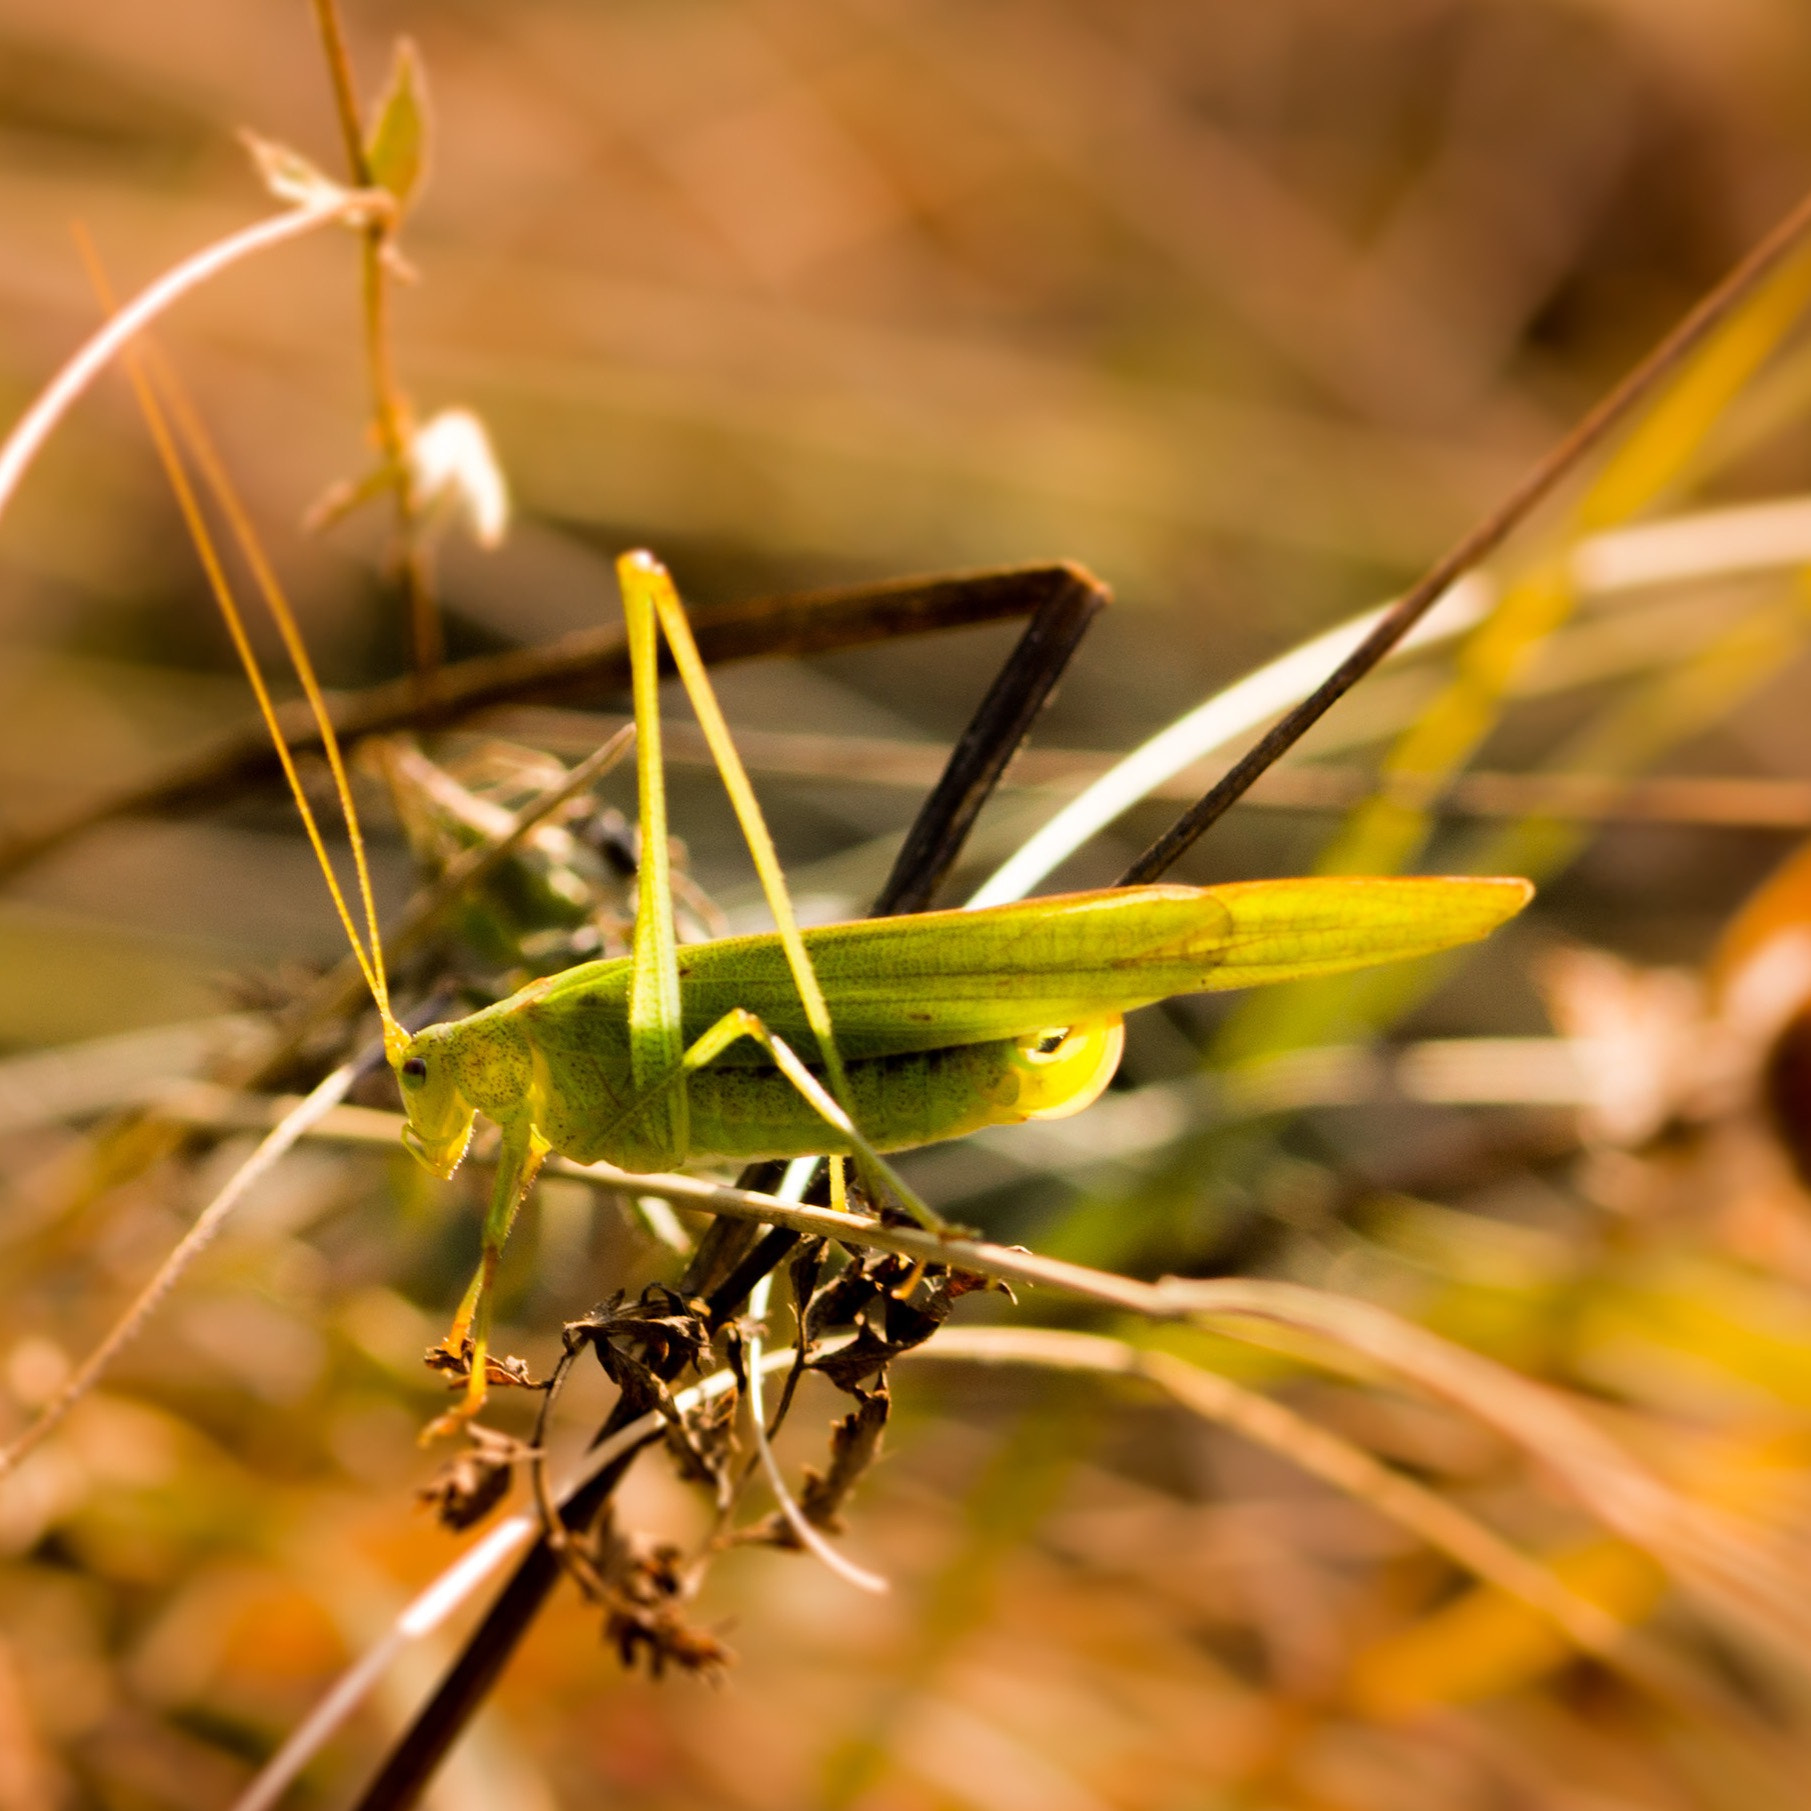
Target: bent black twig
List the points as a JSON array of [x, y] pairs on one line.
[[1000, 725]]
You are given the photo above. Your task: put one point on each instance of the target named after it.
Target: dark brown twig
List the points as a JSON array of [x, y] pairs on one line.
[[579, 668], [1479, 543], [1019, 692]]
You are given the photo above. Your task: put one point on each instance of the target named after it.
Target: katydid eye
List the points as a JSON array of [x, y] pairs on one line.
[[415, 1069]]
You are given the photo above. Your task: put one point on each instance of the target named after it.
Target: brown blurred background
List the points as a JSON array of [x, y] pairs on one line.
[[1249, 307]]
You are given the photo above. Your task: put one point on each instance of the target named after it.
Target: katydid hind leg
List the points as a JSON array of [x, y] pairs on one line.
[[656, 1038], [652, 608], [650, 586]]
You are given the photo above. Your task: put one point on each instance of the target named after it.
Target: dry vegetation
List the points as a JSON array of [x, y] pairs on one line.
[[1251, 308]]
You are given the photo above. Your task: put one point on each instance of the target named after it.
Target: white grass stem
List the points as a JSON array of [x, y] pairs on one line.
[[34, 427], [1223, 718], [1707, 543], [792, 1188], [423, 1615]]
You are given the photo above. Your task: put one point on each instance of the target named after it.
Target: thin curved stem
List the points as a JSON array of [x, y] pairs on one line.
[[799, 1174], [326, 1096], [34, 427]]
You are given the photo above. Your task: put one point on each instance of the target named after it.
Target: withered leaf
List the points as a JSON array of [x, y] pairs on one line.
[[500, 1369], [854, 1446], [704, 1441], [664, 1639], [641, 1586], [474, 1481], [662, 1330], [864, 1297]]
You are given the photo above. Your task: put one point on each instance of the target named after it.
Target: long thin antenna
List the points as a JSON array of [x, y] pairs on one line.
[[200, 448], [207, 460]]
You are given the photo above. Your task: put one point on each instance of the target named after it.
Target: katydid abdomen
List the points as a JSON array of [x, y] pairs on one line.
[[737, 1113]]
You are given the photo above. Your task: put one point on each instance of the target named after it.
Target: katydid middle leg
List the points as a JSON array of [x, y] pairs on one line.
[[645, 1105]]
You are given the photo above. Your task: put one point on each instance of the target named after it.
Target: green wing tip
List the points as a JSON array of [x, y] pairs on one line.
[[1516, 891], [1494, 899]]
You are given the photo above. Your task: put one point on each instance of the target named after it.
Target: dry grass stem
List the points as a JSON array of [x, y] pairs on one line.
[[323, 1099]]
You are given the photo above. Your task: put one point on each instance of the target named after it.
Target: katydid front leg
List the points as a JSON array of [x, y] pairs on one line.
[[517, 1164]]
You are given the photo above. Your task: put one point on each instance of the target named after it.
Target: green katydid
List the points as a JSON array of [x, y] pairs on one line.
[[944, 1022], [923, 1027]]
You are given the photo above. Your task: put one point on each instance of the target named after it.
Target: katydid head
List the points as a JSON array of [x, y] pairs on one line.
[[440, 1117]]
